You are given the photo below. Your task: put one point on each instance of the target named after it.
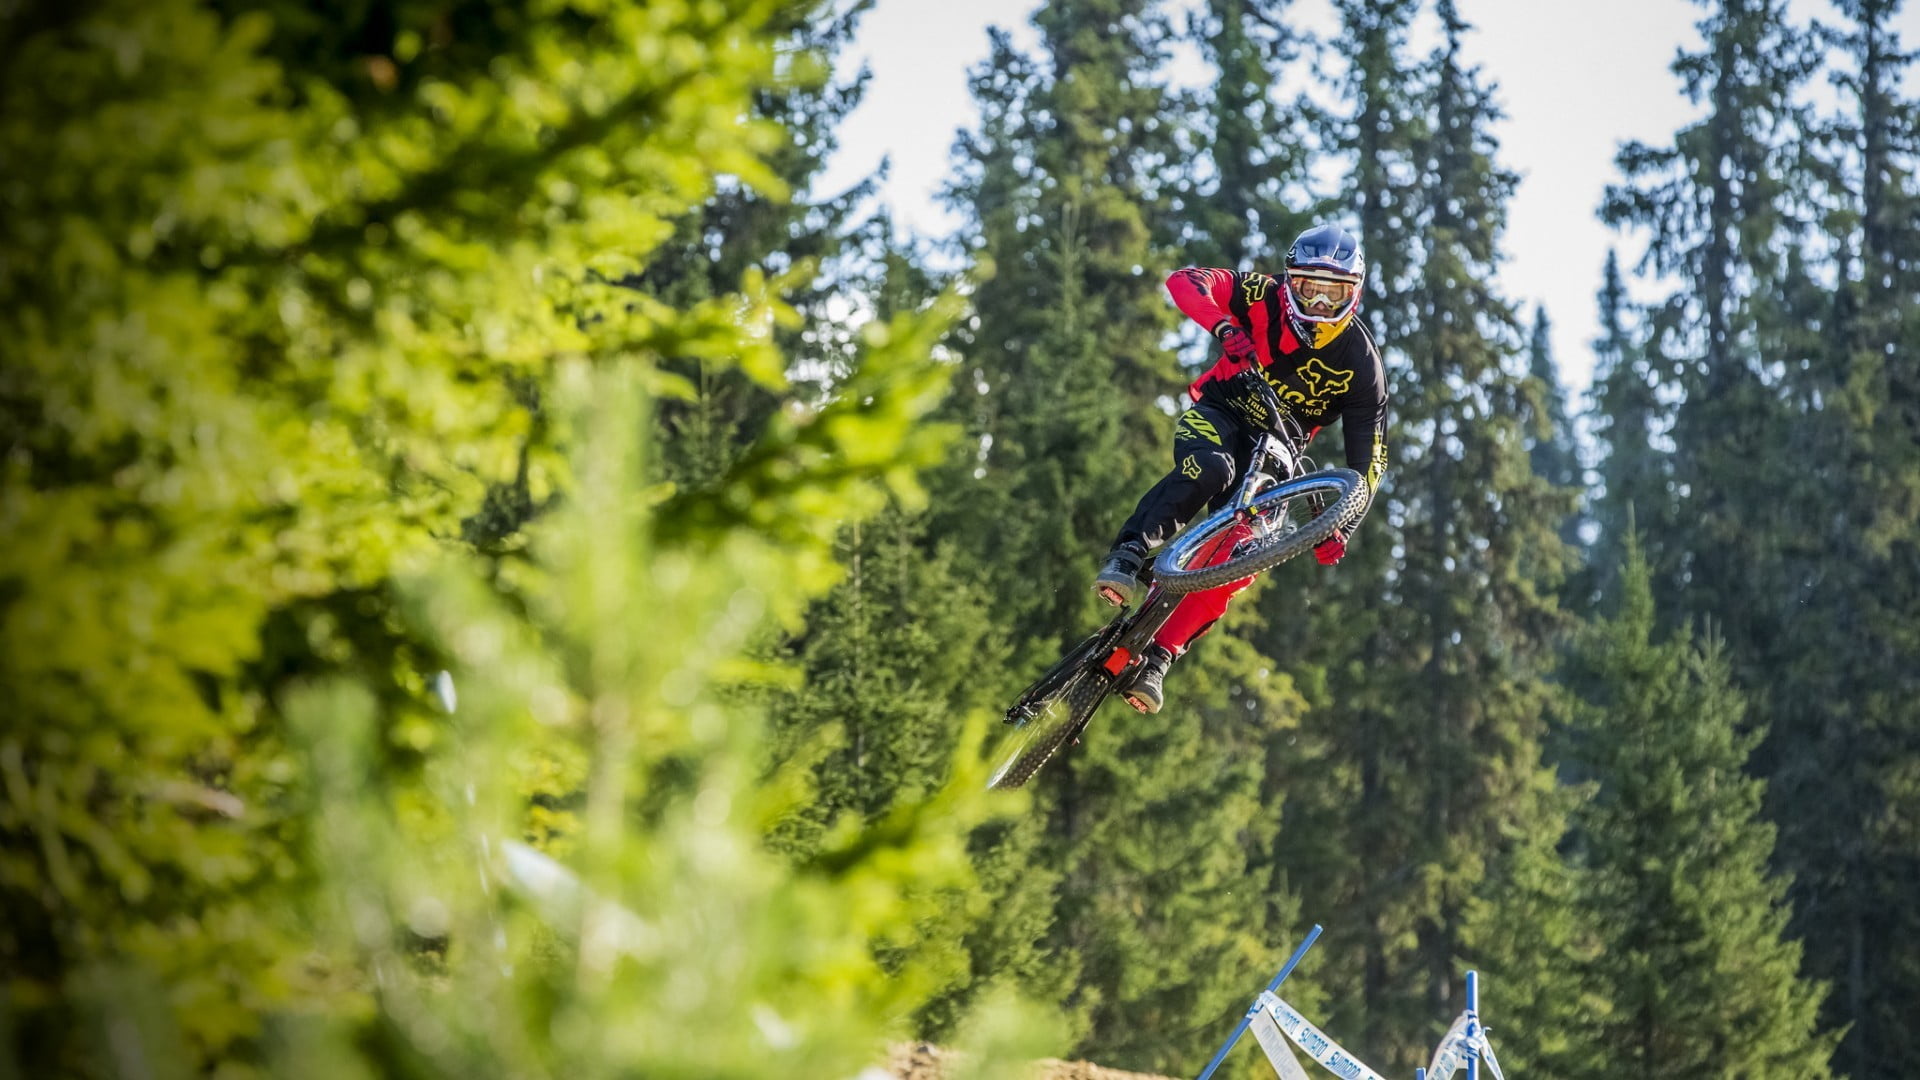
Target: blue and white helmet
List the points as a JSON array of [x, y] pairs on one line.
[[1325, 274]]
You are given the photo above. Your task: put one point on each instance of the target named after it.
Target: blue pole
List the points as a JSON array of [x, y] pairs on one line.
[[1473, 1006], [1292, 961], [1419, 1074]]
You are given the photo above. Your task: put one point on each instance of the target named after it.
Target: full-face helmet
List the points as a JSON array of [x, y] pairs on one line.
[[1325, 274]]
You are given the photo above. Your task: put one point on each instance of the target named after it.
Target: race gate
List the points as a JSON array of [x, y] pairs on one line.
[[1279, 1028]]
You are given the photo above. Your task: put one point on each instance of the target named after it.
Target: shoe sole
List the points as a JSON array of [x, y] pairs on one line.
[[1140, 706], [1111, 595]]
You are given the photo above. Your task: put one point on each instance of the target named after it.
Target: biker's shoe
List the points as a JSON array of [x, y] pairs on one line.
[[1144, 693], [1119, 578]]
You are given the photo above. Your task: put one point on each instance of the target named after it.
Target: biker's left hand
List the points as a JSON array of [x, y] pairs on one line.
[[1332, 549]]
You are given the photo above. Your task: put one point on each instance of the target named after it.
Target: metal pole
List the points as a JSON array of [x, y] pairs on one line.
[[1292, 961], [1473, 1006]]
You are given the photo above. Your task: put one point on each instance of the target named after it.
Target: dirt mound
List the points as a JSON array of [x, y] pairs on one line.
[[925, 1061]]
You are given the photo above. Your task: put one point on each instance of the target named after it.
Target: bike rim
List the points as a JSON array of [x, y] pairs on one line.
[[1263, 509]]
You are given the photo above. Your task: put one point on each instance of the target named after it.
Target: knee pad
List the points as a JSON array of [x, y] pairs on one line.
[[1210, 469]]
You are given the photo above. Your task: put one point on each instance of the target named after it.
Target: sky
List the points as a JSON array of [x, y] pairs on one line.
[[1576, 79]]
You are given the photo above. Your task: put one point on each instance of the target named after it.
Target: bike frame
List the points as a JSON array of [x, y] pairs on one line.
[[1117, 646], [1158, 606]]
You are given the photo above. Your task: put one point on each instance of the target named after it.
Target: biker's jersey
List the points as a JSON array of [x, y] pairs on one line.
[[1340, 376]]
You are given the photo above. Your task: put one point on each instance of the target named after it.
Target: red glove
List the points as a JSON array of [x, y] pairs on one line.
[[1237, 344], [1332, 549]]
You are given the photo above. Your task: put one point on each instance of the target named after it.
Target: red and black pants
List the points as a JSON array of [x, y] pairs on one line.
[[1212, 450]]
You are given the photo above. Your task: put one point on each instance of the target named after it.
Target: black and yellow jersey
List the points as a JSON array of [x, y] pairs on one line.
[[1336, 376]]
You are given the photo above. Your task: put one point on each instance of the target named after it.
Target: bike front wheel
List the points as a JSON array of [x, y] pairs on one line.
[[1033, 743], [1272, 535]]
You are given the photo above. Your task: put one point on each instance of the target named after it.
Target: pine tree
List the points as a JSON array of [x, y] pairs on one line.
[[1159, 826], [1549, 432], [1883, 990], [1057, 435], [1702, 977], [1841, 722], [879, 664], [1428, 737], [713, 410], [1716, 205], [1345, 834], [1630, 422], [1482, 557], [1529, 934], [1382, 136], [268, 315], [1784, 405], [1256, 200], [887, 661], [743, 230]]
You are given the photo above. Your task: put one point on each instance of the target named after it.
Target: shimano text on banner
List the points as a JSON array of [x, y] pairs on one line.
[[1267, 1034], [1315, 1042]]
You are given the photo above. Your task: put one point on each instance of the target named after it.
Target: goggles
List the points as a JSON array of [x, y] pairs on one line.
[[1315, 294]]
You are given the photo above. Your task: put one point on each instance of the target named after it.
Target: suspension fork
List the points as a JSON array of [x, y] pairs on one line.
[[1265, 450]]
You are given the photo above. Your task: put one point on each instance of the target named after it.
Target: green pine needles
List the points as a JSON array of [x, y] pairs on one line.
[[1695, 967]]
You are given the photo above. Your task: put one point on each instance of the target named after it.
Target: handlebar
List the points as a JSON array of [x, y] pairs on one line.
[[1284, 423]]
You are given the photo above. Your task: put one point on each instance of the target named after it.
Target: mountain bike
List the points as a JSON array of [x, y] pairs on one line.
[[1284, 506]]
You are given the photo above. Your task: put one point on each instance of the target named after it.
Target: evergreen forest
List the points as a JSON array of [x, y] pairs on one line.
[[503, 575]]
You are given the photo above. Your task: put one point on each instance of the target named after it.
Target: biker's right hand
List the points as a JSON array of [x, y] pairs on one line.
[[1237, 344]]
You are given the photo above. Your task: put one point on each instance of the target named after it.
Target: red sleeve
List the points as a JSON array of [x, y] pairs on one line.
[[1203, 294]]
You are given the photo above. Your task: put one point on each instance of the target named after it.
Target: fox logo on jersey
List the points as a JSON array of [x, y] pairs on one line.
[[1254, 287], [1322, 380]]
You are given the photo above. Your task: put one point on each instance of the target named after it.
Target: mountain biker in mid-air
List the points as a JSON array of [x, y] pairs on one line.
[[1302, 338]]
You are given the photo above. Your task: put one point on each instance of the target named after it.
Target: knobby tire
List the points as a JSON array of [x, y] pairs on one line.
[[1351, 503], [1056, 725]]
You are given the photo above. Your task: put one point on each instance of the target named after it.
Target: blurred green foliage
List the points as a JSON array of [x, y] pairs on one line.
[[284, 298]]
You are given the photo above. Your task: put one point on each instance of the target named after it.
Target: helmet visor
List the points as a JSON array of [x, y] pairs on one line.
[[1321, 295]]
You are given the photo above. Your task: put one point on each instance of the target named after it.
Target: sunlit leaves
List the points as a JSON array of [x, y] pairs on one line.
[[278, 321]]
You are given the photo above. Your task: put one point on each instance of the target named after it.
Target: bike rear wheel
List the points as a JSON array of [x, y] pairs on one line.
[[1275, 538], [1034, 742]]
